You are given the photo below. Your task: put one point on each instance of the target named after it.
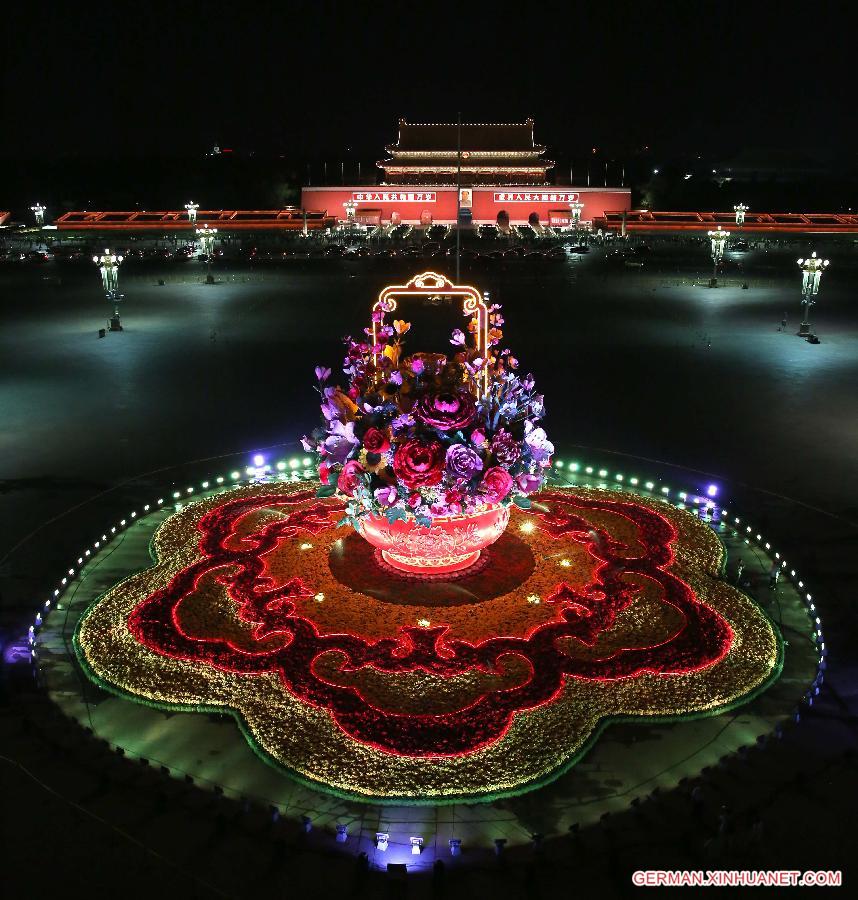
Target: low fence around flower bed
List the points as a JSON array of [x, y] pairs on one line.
[[300, 468]]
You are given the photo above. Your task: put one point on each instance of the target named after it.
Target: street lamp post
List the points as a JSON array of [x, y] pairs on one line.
[[206, 238], [108, 264], [740, 209], [39, 212], [192, 211], [349, 206], [575, 208], [811, 274], [719, 242]]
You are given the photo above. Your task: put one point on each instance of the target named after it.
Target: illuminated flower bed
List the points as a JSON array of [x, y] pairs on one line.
[[593, 605]]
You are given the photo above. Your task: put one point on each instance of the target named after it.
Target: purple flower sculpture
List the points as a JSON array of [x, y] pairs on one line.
[[447, 411], [462, 462], [505, 448], [341, 441]]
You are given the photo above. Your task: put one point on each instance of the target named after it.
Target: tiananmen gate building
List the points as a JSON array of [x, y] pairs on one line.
[[499, 170]]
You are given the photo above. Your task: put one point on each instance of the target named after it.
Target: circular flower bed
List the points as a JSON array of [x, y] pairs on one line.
[[594, 605]]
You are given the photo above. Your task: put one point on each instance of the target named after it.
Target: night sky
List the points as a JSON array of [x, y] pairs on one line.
[[326, 78]]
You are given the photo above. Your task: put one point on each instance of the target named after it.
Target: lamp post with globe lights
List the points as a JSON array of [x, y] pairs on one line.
[[206, 238], [108, 264], [718, 237], [348, 225], [575, 208], [39, 212], [811, 275], [192, 211], [740, 209]]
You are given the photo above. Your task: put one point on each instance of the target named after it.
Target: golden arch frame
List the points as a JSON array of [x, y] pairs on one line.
[[431, 284]]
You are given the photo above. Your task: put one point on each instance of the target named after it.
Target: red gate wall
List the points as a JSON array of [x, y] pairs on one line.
[[487, 201]]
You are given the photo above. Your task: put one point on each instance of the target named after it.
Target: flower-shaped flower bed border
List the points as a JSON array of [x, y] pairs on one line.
[[507, 737]]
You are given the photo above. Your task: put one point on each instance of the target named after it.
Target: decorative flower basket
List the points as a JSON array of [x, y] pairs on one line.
[[429, 451], [450, 544]]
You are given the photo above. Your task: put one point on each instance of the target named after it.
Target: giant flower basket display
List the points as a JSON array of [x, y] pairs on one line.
[[548, 612], [430, 451]]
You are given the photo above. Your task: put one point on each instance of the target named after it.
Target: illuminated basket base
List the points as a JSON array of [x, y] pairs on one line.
[[450, 544], [417, 565]]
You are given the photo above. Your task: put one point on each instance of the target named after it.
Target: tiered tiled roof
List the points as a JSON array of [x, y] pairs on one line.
[[499, 153]]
